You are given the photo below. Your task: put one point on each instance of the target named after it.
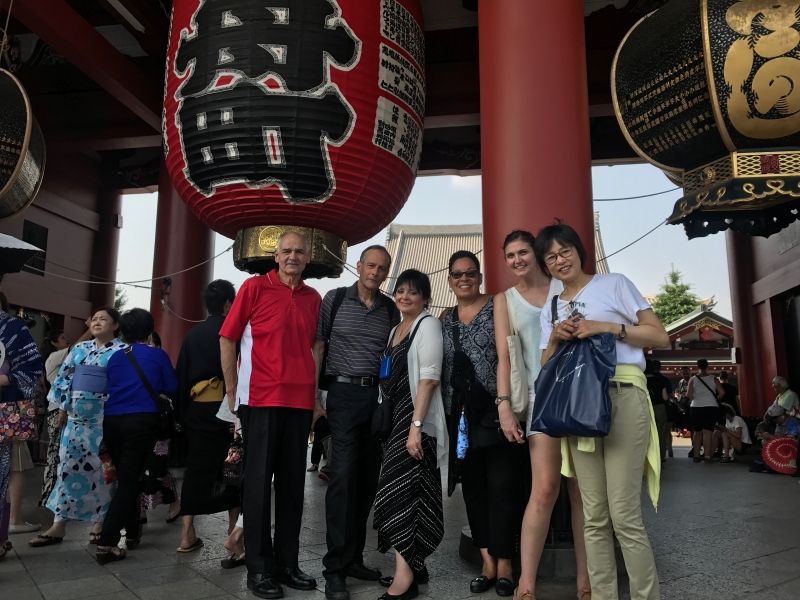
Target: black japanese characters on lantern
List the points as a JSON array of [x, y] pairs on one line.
[[255, 85]]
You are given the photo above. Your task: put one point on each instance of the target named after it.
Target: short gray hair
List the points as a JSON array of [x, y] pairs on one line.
[[301, 235], [780, 381]]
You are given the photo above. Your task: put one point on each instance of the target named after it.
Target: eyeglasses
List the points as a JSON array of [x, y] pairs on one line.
[[565, 253], [471, 274]]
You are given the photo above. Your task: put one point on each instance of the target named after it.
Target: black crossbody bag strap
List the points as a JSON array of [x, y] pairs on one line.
[[135, 364], [713, 393], [456, 330]]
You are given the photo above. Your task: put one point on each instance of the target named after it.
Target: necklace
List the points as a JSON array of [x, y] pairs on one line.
[[576, 294]]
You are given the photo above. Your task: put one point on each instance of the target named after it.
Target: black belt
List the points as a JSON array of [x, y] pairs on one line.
[[369, 381]]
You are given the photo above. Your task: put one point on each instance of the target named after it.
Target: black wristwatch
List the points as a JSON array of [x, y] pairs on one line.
[[622, 333]]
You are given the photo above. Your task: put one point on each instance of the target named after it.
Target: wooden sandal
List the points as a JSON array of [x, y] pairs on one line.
[[5, 549]]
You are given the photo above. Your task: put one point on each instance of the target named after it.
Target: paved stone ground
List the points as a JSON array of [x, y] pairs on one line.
[[720, 532]]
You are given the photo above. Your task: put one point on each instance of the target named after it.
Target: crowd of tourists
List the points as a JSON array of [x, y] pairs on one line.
[[403, 394]]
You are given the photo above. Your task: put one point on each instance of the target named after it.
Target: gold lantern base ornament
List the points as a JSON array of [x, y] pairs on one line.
[[254, 250], [757, 193]]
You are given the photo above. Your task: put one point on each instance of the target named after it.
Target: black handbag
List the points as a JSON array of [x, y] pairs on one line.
[[168, 426], [381, 424], [483, 420]]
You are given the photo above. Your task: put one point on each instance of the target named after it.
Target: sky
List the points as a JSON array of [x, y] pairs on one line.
[[450, 200]]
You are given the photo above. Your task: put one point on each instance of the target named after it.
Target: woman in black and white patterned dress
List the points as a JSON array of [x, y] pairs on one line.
[[408, 505]]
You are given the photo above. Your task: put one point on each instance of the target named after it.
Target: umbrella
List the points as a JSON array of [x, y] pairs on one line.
[[14, 253], [780, 455]]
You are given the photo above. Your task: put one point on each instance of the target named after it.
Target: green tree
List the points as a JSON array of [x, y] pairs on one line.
[[120, 298], [675, 299]]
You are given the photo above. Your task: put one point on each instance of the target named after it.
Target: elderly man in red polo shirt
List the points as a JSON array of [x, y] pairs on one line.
[[274, 318]]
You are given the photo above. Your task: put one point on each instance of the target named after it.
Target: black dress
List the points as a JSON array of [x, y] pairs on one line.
[[408, 505]]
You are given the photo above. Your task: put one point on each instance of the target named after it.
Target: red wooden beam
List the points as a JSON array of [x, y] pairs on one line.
[[69, 34]]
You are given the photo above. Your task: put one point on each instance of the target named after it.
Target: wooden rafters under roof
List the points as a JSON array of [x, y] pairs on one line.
[[94, 70]]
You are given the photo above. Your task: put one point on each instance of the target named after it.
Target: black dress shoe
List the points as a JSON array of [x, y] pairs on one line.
[[294, 578], [411, 592], [481, 583], [363, 572], [420, 577], [335, 588], [504, 587], [263, 586]]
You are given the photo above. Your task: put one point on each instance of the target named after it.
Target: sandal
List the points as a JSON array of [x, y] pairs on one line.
[[198, 543], [43, 539], [523, 596], [5, 549], [232, 561], [107, 554]]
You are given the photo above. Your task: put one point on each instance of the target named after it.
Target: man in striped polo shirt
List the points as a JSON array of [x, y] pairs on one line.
[[354, 324]]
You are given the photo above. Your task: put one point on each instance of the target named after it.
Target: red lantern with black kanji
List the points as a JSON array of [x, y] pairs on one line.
[[294, 115]]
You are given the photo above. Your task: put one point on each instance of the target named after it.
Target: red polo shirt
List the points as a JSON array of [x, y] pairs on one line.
[[276, 326]]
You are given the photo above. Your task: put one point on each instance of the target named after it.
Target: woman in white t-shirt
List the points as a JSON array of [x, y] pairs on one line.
[[733, 435], [610, 469], [524, 303], [703, 411]]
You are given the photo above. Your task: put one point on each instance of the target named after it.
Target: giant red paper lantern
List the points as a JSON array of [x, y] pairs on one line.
[[294, 114]]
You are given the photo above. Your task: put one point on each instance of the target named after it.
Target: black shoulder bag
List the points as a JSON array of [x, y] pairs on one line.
[[167, 425], [721, 415], [381, 424], [483, 421]]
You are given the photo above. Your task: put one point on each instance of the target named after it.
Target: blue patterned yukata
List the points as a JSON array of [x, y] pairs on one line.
[[80, 493]]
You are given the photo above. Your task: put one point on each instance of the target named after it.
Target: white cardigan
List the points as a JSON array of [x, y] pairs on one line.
[[425, 362]]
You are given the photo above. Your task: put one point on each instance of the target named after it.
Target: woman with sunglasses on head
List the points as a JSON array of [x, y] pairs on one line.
[[408, 504], [490, 474], [609, 469], [524, 302]]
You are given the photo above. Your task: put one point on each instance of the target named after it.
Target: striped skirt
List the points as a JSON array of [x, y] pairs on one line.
[[408, 505]]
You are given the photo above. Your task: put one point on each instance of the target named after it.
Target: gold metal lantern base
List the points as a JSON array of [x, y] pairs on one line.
[[254, 250]]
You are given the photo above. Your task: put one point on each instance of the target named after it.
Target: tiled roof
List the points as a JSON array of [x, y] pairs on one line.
[[428, 247]]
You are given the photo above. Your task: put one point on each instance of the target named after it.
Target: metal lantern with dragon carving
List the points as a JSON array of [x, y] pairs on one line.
[[709, 91], [294, 115]]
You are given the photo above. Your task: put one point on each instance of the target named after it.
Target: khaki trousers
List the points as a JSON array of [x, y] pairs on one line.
[[610, 480]]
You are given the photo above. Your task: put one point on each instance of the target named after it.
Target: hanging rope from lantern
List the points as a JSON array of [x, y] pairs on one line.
[[635, 197]]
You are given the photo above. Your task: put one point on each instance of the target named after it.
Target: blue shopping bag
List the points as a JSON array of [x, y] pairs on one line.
[[572, 389]]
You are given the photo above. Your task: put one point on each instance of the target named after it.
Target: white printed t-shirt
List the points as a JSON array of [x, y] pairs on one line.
[[611, 298]]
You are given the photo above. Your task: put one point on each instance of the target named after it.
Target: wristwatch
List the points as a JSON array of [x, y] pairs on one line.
[[500, 399], [417, 423], [622, 333]]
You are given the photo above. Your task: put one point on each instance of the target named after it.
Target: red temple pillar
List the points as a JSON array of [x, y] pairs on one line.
[[181, 241], [745, 335], [535, 152], [106, 246]]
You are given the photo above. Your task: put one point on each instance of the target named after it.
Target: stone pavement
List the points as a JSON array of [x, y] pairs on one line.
[[720, 532]]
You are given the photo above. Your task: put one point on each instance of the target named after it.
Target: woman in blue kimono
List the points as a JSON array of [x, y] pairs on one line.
[[21, 369], [80, 492]]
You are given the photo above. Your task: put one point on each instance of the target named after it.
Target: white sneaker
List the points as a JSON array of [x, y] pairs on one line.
[[24, 527]]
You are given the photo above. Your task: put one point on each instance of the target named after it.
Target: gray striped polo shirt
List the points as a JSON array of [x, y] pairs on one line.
[[359, 334]]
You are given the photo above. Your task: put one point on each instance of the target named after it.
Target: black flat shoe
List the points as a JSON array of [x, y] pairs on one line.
[[481, 584], [363, 572], [264, 587], [422, 577], [504, 587], [294, 578], [411, 592]]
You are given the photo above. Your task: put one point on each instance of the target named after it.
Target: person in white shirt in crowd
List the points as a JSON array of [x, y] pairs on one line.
[[733, 435], [703, 411]]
